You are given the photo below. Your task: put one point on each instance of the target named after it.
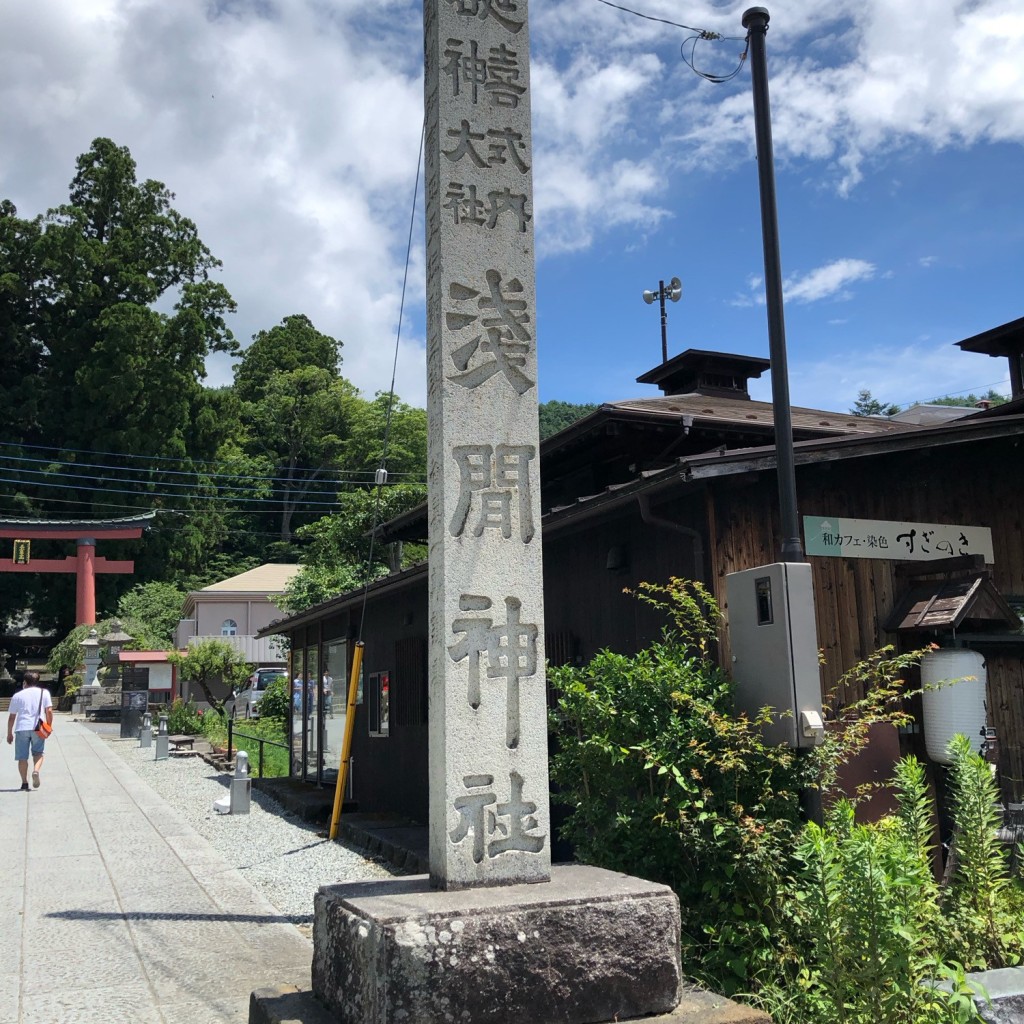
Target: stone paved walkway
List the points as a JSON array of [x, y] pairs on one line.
[[112, 909]]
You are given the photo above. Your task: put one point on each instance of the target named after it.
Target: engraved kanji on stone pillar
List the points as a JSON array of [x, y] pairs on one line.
[[489, 817]]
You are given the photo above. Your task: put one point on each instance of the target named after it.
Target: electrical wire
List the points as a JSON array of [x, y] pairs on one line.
[[276, 502], [177, 472], [241, 485], [382, 468], [700, 34], [664, 21], [707, 75]]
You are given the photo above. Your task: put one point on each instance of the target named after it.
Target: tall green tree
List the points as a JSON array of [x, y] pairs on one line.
[[300, 426], [867, 405], [111, 311], [21, 329], [291, 345]]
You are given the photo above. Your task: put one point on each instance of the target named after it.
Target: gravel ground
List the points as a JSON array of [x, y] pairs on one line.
[[285, 858]]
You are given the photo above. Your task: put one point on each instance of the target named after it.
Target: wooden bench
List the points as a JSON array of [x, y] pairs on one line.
[[181, 742]]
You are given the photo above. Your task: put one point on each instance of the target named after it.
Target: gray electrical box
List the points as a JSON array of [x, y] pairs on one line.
[[775, 650]]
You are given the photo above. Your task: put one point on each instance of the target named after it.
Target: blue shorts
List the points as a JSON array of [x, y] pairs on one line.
[[23, 740]]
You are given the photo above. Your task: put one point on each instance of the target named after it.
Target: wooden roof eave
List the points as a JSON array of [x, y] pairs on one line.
[[344, 602], [964, 431]]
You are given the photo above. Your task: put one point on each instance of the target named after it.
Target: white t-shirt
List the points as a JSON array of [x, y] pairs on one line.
[[25, 704]]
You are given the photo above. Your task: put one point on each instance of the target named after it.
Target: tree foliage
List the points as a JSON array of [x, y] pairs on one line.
[[832, 923], [556, 415], [866, 405], [156, 605], [68, 653], [112, 310], [210, 661], [992, 397], [109, 308]]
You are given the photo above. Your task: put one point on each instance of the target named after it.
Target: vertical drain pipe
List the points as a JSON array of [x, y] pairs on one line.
[[698, 543]]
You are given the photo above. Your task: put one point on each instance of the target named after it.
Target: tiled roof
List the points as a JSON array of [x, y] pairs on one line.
[[80, 525], [740, 412], [270, 578]]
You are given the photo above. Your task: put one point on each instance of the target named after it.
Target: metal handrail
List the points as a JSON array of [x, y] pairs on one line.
[[259, 739]]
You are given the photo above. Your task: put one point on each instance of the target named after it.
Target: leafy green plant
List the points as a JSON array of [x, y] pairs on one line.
[[664, 781], [246, 735], [983, 904], [276, 701], [183, 718], [209, 661], [839, 923]]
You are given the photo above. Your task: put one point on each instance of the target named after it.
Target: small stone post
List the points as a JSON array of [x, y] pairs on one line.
[[161, 752]]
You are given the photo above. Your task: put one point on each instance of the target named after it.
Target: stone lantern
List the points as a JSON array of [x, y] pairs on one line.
[[91, 657], [114, 641]]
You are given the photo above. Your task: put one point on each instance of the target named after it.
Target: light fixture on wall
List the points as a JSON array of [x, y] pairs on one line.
[[617, 559]]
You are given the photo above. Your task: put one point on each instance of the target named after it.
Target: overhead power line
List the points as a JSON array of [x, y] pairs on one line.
[[700, 35], [368, 473], [240, 483], [277, 502]]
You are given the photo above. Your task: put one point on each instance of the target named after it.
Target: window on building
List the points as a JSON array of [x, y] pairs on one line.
[[379, 707], [228, 627]]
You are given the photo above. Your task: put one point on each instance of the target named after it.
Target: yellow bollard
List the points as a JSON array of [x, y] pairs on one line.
[[346, 743]]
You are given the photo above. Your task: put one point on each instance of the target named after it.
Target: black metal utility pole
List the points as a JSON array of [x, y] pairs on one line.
[[755, 21], [664, 323]]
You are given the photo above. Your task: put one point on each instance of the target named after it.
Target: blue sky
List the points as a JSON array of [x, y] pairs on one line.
[[289, 133]]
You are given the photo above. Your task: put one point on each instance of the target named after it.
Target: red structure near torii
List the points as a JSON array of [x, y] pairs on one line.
[[86, 563]]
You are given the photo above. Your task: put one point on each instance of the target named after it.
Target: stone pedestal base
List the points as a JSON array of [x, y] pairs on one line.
[[588, 946]]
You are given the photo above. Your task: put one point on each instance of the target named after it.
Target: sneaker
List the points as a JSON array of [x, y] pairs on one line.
[[35, 780], [24, 787]]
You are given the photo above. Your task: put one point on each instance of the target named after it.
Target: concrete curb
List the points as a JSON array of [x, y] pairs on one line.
[[286, 1004]]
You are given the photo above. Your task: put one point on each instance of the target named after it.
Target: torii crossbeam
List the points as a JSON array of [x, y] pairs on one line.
[[85, 564]]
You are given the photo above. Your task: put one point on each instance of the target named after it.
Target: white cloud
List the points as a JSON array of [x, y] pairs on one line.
[[830, 281], [827, 282], [902, 375], [289, 130], [588, 175], [290, 139]]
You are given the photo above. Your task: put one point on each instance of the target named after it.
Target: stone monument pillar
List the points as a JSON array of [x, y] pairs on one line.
[[489, 821], [495, 933]]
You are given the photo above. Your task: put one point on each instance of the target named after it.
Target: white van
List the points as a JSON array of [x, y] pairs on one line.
[[247, 701]]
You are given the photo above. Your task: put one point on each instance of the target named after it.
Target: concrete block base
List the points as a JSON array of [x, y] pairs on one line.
[[286, 1004], [588, 946]]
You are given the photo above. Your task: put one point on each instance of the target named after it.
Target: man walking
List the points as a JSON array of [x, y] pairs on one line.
[[27, 707]]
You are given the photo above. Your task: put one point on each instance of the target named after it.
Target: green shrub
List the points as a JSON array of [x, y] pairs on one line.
[[665, 782], [982, 903], [870, 922], [839, 923], [184, 718], [276, 700]]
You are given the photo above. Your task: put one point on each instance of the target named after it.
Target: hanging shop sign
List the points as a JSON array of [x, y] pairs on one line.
[[901, 541]]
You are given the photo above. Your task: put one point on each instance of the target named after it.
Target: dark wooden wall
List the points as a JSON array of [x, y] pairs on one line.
[[390, 772], [586, 607], [978, 484]]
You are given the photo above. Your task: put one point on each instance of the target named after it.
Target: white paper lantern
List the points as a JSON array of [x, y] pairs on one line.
[[953, 699]]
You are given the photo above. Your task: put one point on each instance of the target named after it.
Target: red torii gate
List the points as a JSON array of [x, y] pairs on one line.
[[86, 563]]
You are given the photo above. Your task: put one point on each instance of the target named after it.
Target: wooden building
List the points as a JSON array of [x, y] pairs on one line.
[[684, 484]]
